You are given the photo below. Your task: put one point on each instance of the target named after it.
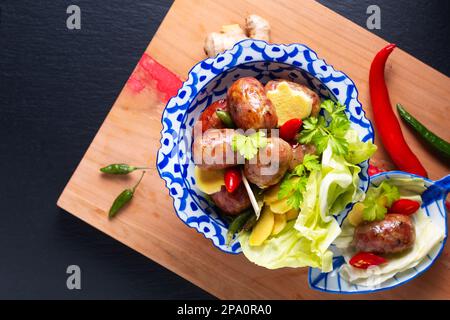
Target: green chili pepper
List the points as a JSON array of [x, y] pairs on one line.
[[250, 223], [225, 117], [237, 224], [123, 198], [120, 168], [435, 141]]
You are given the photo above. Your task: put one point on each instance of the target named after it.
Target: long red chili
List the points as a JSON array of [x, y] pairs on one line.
[[385, 120]]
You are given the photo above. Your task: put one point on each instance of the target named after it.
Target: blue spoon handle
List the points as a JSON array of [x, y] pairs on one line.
[[439, 189]]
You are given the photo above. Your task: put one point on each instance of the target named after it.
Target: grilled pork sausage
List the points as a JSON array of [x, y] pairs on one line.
[[249, 106], [395, 233], [212, 150], [298, 153], [232, 203], [209, 119], [270, 163]]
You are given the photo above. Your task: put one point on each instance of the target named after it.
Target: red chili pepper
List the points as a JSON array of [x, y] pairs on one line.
[[363, 260], [404, 206], [233, 179], [373, 170], [385, 120], [290, 128]]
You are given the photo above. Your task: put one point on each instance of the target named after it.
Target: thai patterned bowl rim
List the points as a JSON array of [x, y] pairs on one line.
[[240, 47]]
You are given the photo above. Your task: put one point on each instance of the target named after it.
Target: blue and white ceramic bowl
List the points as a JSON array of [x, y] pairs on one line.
[[433, 205], [208, 81]]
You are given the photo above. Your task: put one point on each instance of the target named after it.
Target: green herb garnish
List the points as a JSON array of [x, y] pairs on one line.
[[378, 199], [248, 146], [328, 129], [294, 184]]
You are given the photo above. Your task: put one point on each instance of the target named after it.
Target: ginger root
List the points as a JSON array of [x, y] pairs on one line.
[[255, 27], [229, 35]]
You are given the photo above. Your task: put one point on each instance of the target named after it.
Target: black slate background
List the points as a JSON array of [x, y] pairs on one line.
[[56, 87]]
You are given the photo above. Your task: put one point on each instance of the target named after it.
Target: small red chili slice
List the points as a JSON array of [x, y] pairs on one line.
[[363, 260], [289, 129], [233, 179], [404, 206], [373, 170]]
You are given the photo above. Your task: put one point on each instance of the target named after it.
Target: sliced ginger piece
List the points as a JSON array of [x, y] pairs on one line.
[[271, 195], [355, 216], [292, 214], [280, 206], [209, 181], [290, 103], [279, 223], [263, 228]]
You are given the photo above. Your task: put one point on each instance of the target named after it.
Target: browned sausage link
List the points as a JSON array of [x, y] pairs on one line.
[[232, 203], [298, 153], [270, 163], [212, 150], [249, 106], [395, 233], [272, 85], [209, 119]]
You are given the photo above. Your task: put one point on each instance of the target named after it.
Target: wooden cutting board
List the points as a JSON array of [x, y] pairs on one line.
[[131, 134]]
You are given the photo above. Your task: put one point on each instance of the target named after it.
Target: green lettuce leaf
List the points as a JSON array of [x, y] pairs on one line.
[[305, 242], [287, 249], [408, 186], [339, 186], [358, 151]]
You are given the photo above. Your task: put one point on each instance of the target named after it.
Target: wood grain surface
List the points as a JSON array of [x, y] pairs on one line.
[[131, 134]]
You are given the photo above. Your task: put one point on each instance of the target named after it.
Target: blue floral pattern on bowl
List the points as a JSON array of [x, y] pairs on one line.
[[434, 207], [209, 81]]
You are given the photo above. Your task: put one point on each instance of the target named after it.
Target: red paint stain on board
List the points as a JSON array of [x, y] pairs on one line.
[[135, 84], [149, 73]]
